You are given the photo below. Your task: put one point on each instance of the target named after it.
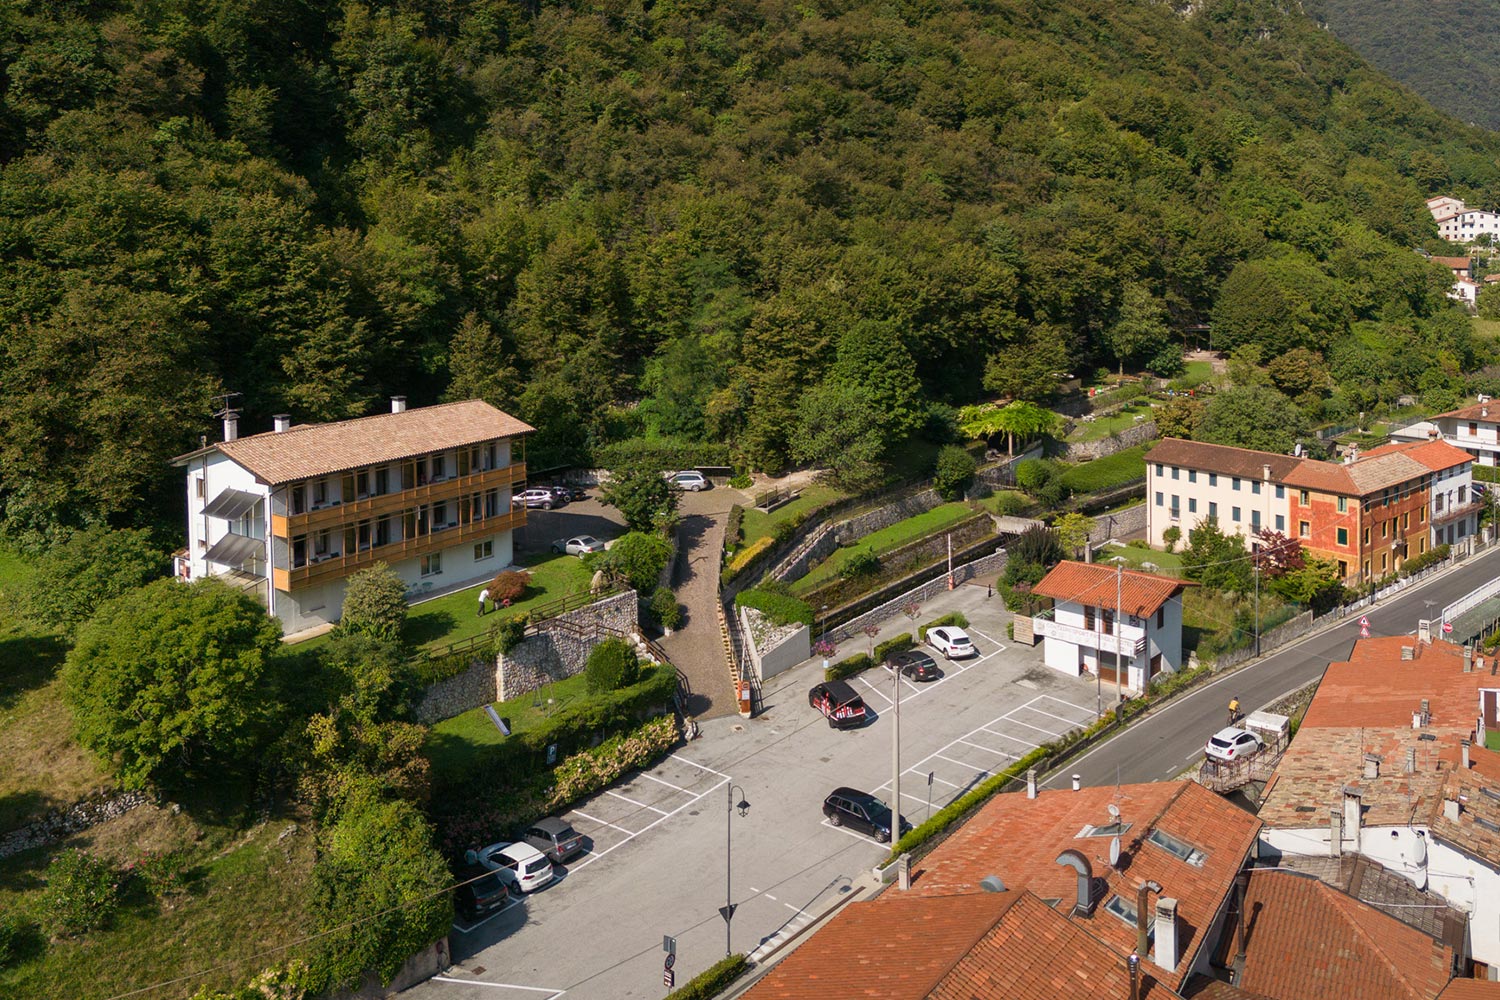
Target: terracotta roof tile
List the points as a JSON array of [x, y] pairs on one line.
[[1204, 988], [1019, 840], [310, 450], [1477, 829], [1475, 411], [1453, 262], [1307, 941], [1220, 458], [1471, 989], [1140, 594], [1436, 456]]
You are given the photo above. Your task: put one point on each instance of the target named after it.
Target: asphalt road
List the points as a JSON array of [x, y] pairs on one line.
[[1163, 745]]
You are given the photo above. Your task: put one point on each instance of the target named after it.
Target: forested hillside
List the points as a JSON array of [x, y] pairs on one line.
[[1446, 50], [776, 225]]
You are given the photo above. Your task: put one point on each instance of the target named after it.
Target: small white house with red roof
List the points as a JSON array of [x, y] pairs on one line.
[[1107, 618]]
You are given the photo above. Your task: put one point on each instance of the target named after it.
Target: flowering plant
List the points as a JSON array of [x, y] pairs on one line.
[[824, 648]]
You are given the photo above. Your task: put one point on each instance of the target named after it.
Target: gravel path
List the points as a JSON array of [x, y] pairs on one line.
[[697, 649]]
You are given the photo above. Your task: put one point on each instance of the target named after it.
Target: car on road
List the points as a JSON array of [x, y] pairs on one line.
[[554, 838], [537, 497], [915, 664], [690, 480], [840, 704], [953, 642], [480, 895], [578, 545], [523, 867], [861, 811], [1232, 743]]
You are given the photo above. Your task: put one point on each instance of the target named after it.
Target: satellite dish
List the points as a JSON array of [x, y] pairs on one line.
[[1419, 852], [1114, 851], [1114, 811]]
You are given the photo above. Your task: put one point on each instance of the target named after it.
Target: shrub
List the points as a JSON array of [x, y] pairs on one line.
[[374, 604], [82, 894], [784, 530], [848, 667], [1009, 503], [509, 586], [1171, 537], [782, 609], [732, 527], [1036, 546], [638, 558], [612, 665], [666, 609], [740, 480], [661, 453], [954, 618], [163, 872], [94, 565], [955, 470], [901, 642], [861, 562], [744, 557], [507, 633], [1431, 557], [1034, 473], [713, 980]]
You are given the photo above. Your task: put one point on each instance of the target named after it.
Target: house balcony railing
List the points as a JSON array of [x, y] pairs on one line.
[[338, 565], [337, 515], [1459, 510], [1128, 641]]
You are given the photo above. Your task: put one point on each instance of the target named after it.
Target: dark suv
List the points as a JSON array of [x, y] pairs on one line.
[[484, 894], [554, 838], [861, 811]]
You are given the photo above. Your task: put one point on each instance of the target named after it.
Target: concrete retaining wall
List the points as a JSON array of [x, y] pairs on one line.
[[1278, 636], [982, 566], [780, 655], [1086, 451]]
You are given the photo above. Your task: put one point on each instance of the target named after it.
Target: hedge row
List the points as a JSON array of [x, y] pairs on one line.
[[848, 667], [663, 453], [899, 644], [1431, 557], [713, 980], [744, 557], [732, 528], [426, 671], [955, 618], [498, 766], [783, 609]]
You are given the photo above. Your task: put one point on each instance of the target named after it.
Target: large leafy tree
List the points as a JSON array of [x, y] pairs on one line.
[[1252, 416], [73, 578], [1216, 560], [838, 428], [642, 495], [169, 684]]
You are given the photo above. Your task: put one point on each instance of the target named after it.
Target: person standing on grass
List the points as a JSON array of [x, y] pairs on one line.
[[484, 596]]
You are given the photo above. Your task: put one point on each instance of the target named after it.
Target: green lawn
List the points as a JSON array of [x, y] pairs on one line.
[[1195, 374], [755, 525], [444, 620], [1166, 563], [1107, 472], [1103, 427], [1486, 327], [885, 540]]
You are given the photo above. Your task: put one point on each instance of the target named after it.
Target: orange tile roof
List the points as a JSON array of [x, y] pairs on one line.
[[1366, 475], [1308, 941], [1471, 989], [1454, 263], [310, 450], [1204, 988], [1140, 594], [1477, 829], [1376, 687], [1476, 411], [1435, 455], [1223, 459], [902, 946], [1019, 840]]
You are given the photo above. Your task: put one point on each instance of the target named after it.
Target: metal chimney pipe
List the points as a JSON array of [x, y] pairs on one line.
[[1142, 942], [1134, 964]]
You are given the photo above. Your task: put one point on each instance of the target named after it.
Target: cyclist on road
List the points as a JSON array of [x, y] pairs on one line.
[[1234, 709]]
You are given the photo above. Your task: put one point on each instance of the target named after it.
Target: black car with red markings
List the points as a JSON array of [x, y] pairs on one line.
[[840, 704]]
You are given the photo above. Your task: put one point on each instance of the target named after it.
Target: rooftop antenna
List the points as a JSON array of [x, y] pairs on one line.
[[226, 404]]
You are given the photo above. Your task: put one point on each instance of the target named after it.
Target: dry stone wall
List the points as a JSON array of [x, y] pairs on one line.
[[1085, 451], [984, 565], [65, 822]]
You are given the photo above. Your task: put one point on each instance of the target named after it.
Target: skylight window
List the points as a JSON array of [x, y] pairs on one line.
[[1124, 910], [1179, 849], [1115, 829]]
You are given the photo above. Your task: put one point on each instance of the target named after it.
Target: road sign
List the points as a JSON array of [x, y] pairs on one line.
[[1364, 621], [668, 962], [1364, 631], [669, 944], [1447, 627], [727, 912], [668, 978]]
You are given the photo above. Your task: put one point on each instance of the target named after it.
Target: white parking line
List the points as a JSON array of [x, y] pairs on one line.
[[1059, 718], [633, 802], [1028, 725], [851, 833], [997, 753], [984, 771], [596, 819], [595, 857], [999, 646], [1088, 714], [995, 732], [875, 691], [649, 777], [678, 756], [503, 986]]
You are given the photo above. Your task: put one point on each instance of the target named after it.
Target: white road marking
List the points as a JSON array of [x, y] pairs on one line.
[[958, 762], [789, 906], [1015, 739], [503, 986], [997, 753], [1088, 716], [851, 833], [1030, 726], [596, 819], [1059, 718], [875, 691], [649, 777], [633, 802], [595, 857], [678, 756], [998, 644]]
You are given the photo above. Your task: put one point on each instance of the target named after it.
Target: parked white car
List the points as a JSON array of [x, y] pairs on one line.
[[578, 545], [1232, 743], [953, 642], [523, 867], [690, 480]]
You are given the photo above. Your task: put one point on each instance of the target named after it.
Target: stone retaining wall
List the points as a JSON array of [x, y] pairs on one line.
[[1086, 451], [64, 822], [1278, 636], [851, 530], [1119, 524], [983, 566]]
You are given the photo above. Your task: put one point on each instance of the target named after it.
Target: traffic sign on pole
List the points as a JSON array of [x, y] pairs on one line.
[[727, 912], [669, 944], [1447, 627], [668, 978], [669, 961], [1364, 621]]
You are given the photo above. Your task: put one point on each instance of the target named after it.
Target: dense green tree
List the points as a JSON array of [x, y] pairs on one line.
[[1030, 369], [169, 683], [73, 578], [839, 429], [954, 471], [638, 557], [1139, 333], [374, 604], [1252, 416], [642, 495], [1216, 560]]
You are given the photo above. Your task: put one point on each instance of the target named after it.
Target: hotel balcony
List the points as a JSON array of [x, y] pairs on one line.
[[1457, 511], [337, 515], [1130, 642]]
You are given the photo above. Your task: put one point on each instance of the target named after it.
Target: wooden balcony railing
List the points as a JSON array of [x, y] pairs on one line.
[[338, 515], [344, 564]]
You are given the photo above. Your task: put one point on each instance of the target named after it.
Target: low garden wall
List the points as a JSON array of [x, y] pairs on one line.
[[1085, 451], [1282, 634], [783, 648], [983, 566], [70, 820], [1119, 524]]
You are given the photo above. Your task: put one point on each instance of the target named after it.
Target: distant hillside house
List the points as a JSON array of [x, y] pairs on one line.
[[289, 514], [1465, 291], [1457, 223], [1460, 266]]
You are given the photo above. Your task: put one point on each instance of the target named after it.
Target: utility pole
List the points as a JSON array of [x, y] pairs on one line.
[[1119, 628], [896, 763], [1256, 563]]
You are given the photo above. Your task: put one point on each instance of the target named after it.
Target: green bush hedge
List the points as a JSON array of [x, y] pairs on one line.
[[426, 671], [713, 980], [901, 642], [1431, 557], [783, 609], [958, 808], [1106, 473], [956, 618], [664, 453], [848, 667], [732, 528]]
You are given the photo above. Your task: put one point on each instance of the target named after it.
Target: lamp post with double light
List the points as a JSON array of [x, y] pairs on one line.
[[727, 911]]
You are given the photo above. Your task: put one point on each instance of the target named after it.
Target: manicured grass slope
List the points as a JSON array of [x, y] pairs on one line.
[[885, 540]]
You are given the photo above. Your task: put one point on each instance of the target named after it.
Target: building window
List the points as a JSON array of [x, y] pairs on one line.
[[1366, 571], [1213, 479], [1158, 468], [1235, 484], [1463, 495], [1422, 515], [432, 564], [1365, 538], [1235, 516], [299, 552], [1107, 621], [1437, 503], [1343, 569], [299, 499], [1280, 492], [484, 550], [1384, 529], [382, 481], [1382, 562], [198, 487], [320, 544], [1192, 505], [1213, 509], [1304, 498], [1255, 487], [1088, 618], [1473, 428], [1343, 536], [1280, 522], [1161, 616], [1159, 502], [1175, 471], [1179, 849], [439, 466], [1255, 520], [1176, 505], [1406, 520], [1303, 529], [1192, 475], [1343, 505]]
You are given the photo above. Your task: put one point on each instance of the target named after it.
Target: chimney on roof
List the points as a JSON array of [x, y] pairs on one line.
[[1080, 864], [1241, 889], [1372, 766], [282, 422], [1335, 833], [1031, 782], [1408, 653], [1468, 659], [1424, 631], [1464, 744], [1166, 933], [1265, 473], [1133, 963], [1451, 810], [398, 404], [231, 426], [1142, 939], [1352, 815], [1432, 434], [1426, 712]]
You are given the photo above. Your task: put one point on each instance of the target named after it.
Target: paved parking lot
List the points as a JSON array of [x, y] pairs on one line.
[[659, 862]]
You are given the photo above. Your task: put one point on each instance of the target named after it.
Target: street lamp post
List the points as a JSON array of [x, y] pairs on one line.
[[1119, 630], [727, 911]]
